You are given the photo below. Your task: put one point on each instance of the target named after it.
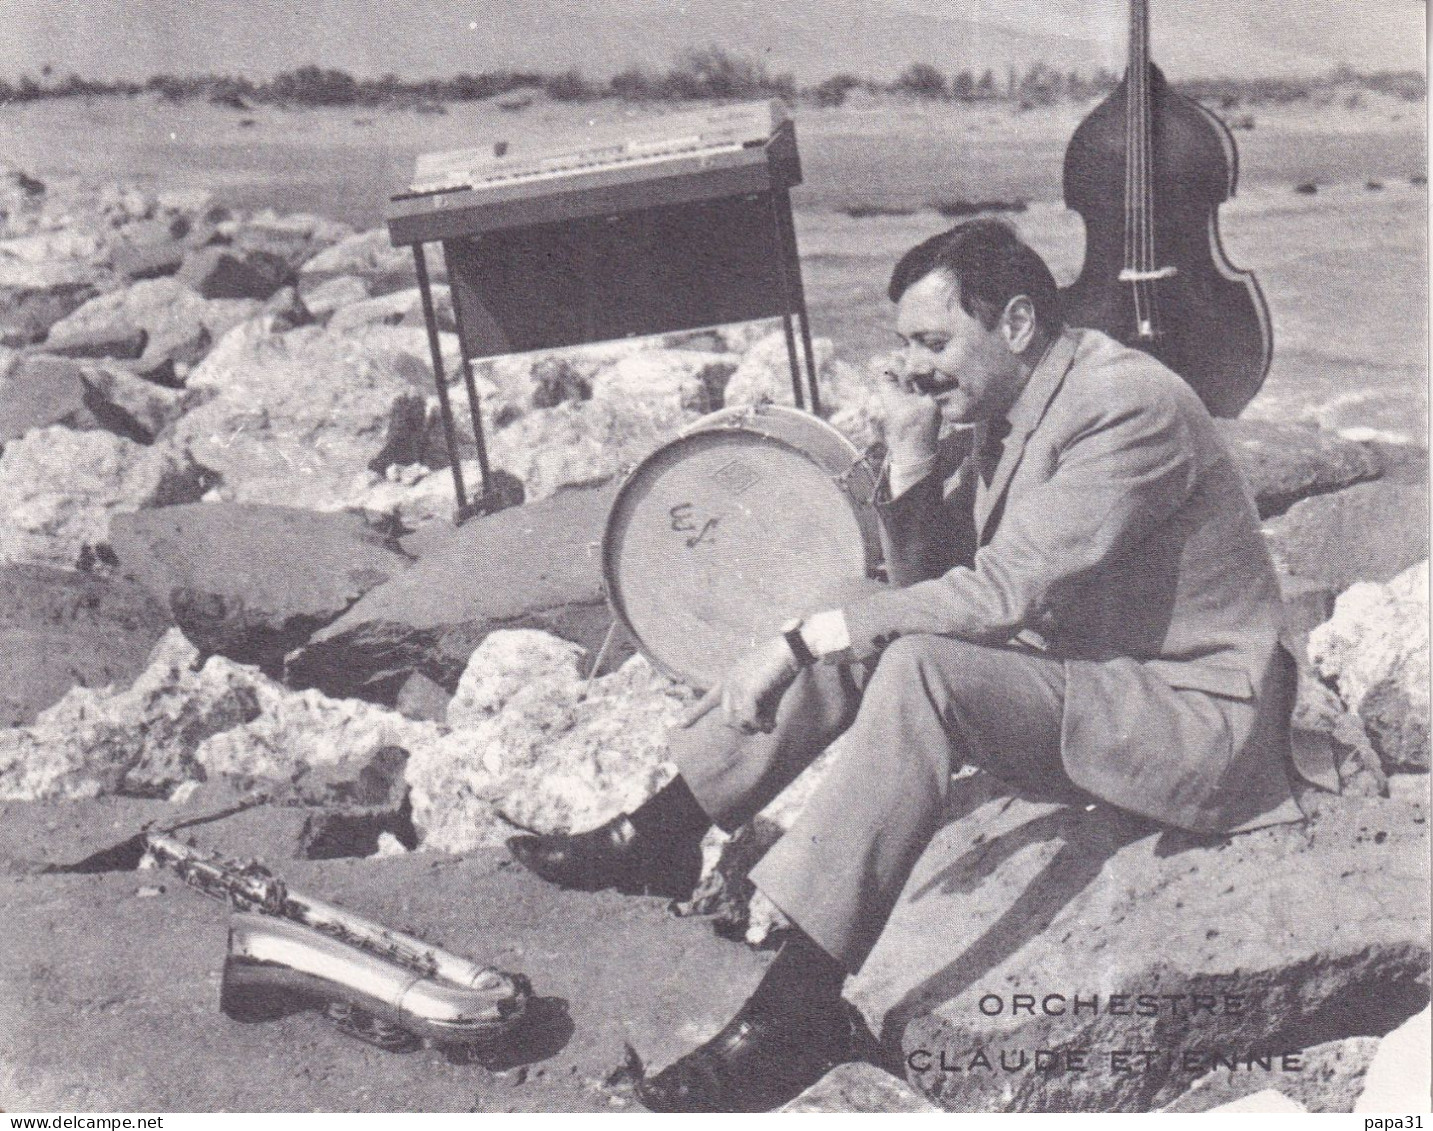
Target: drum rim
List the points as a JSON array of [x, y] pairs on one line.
[[722, 420]]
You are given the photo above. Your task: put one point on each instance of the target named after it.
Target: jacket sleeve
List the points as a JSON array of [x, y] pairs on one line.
[[925, 529], [1121, 473]]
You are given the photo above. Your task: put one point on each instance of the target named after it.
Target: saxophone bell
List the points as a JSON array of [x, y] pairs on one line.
[[274, 965]]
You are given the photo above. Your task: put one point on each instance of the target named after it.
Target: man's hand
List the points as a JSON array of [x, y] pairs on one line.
[[751, 690], [912, 419]]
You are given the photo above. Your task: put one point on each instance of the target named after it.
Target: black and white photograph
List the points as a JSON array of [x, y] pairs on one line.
[[864, 556]]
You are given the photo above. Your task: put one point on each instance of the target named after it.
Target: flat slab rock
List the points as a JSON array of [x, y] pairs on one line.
[[112, 979], [1320, 932], [252, 582], [1369, 532], [1284, 463], [860, 1088], [1330, 1078], [61, 629], [534, 566]]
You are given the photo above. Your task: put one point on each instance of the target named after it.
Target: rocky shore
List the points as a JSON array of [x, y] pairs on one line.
[[233, 587]]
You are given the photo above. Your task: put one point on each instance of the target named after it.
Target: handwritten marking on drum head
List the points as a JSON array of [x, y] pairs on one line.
[[702, 534], [682, 517], [682, 521], [737, 476]]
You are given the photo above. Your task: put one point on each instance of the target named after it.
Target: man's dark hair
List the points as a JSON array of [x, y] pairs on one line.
[[990, 265]]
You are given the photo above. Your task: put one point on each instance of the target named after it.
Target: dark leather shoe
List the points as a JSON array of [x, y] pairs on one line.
[[613, 855], [764, 1058]]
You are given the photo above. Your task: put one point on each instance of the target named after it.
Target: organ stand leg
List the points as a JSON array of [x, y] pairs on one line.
[[793, 257], [489, 500], [445, 409], [789, 299]]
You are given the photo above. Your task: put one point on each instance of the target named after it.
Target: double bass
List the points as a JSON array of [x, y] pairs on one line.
[[1147, 171]]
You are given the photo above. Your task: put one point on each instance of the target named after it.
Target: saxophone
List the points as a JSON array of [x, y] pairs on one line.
[[373, 983]]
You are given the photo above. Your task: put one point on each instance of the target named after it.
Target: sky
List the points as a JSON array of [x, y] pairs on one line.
[[811, 38]]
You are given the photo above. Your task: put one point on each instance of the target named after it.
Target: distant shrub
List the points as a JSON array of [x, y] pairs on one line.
[[569, 86], [314, 86], [1411, 86], [833, 91], [923, 81], [712, 72]]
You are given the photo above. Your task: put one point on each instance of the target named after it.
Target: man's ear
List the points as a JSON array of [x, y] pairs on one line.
[[1017, 324]]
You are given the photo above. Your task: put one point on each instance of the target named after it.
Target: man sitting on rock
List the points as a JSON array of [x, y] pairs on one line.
[[1080, 603]]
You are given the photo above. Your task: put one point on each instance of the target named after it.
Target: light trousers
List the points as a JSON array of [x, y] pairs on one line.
[[931, 705]]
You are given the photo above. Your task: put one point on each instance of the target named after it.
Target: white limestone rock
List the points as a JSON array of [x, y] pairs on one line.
[[668, 384], [403, 307], [581, 442], [141, 740], [59, 488], [334, 294], [1374, 649], [295, 417], [297, 732], [535, 747], [372, 257], [165, 308]]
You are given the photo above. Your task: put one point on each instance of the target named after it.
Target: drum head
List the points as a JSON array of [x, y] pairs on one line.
[[722, 535]]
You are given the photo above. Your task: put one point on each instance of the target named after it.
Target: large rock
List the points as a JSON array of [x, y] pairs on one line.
[[130, 406], [397, 308], [667, 384], [1369, 532], [850, 396], [536, 747], [140, 741], [188, 720], [860, 1088], [329, 297], [1325, 733], [59, 489], [1375, 651], [1330, 1079], [1283, 463], [27, 315], [295, 418], [534, 566], [117, 340], [180, 324], [575, 443], [1019, 898], [371, 257], [252, 582], [38, 391], [227, 272], [1398, 1078], [293, 238], [60, 630]]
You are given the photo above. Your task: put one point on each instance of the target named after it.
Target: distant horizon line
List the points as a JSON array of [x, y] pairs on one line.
[[53, 79]]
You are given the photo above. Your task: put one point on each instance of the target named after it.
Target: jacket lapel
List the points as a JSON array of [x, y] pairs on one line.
[[1025, 416]]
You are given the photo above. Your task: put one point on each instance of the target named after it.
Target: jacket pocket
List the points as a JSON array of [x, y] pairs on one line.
[[1229, 683]]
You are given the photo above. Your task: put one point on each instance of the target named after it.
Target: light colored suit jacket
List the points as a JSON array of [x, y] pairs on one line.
[[1116, 533]]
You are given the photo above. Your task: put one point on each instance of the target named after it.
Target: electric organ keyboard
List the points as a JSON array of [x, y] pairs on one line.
[[672, 222]]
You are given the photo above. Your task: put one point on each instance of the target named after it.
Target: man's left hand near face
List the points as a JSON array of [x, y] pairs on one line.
[[751, 690]]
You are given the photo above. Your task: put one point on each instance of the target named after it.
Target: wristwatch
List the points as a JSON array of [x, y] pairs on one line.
[[791, 633]]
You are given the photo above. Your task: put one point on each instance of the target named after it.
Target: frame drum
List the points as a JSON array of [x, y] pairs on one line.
[[742, 522]]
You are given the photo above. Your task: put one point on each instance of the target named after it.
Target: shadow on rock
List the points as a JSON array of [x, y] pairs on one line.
[[548, 1029], [1087, 845]]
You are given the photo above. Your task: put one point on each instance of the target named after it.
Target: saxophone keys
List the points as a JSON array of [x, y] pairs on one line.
[[358, 1023]]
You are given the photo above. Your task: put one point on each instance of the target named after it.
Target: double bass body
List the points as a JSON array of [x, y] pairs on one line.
[[1147, 171]]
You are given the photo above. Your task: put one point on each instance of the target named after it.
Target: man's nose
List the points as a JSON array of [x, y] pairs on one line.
[[917, 360]]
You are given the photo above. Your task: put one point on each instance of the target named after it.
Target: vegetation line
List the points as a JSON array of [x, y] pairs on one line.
[[705, 73]]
